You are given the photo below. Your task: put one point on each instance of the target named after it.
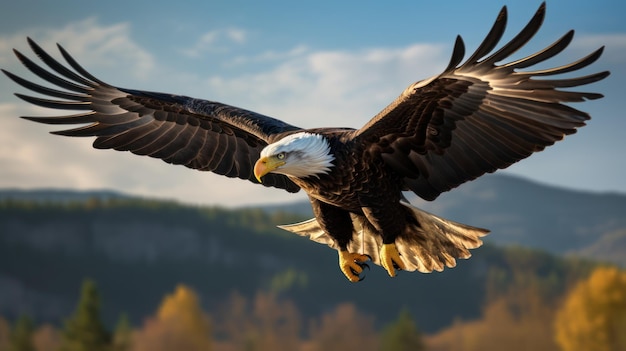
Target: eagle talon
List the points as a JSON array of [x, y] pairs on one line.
[[362, 265], [390, 259], [352, 264]]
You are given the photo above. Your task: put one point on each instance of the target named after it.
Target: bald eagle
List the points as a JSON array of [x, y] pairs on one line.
[[475, 117]]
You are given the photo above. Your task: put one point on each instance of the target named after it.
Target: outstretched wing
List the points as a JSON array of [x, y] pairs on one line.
[[199, 134], [478, 117]]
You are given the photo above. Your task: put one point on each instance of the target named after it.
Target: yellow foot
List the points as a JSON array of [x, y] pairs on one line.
[[390, 259], [351, 264]]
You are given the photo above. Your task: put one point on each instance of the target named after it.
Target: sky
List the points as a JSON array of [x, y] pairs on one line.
[[312, 64]]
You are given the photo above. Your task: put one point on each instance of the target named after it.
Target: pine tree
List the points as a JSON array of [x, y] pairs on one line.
[[122, 336], [402, 335], [21, 338], [84, 331]]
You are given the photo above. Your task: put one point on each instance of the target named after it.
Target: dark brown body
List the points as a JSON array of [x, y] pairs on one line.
[[364, 185]]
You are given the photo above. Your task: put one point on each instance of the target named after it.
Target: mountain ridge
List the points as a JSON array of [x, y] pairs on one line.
[[517, 211]]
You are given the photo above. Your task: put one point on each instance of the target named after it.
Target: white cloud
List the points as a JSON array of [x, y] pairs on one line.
[[236, 35], [319, 88], [218, 40], [104, 47], [270, 56]]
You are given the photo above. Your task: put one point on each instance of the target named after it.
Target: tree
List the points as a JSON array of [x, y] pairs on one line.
[[122, 336], [344, 329], [46, 338], [84, 331], [519, 320], [402, 335], [179, 324], [21, 338], [265, 324], [5, 331], [593, 317]]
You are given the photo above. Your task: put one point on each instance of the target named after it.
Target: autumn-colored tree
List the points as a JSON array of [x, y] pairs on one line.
[[593, 317], [84, 330], [179, 324], [267, 323], [520, 320], [47, 338], [402, 334], [344, 329], [21, 338], [5, 331]]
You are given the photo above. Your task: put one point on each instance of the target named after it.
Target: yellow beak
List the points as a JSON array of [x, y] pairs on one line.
[[266, 165]]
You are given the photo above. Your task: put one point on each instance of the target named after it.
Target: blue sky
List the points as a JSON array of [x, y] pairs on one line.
[[322, 63]]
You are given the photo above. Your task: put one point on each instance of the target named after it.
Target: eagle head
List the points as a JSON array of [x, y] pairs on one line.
[[298, 155]]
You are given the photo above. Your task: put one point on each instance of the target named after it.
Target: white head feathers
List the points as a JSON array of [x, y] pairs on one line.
[[306, 154]]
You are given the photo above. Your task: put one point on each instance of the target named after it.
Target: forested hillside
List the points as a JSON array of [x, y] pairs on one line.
[[139, 250]]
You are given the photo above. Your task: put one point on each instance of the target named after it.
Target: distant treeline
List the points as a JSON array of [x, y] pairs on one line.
[[590, 316]]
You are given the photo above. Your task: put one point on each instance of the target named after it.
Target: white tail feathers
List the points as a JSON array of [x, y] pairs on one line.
[[427, 243]]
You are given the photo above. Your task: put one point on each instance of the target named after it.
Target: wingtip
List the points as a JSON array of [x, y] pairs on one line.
[[457, 54], [35, 119], [62, 49], [6, 73], [542, 7], [19, 55], [33, 45], [541, 11], [502, 15]]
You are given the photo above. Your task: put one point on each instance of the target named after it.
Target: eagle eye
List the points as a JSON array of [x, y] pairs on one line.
[[281, 156]]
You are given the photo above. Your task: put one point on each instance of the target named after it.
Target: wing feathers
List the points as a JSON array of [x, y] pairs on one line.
[[70, 60], [200, 134], [135, 139], [80, 118], [62, 105], [490, 41], [545, 84], [45, 90], [544, 54], [44, 74], [57, 67], [478, 116], [218, 154], [574, 66], [519, 40], [457, 54]]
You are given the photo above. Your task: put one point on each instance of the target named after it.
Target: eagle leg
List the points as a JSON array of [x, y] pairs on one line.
[[390, 259], [352, 264]]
